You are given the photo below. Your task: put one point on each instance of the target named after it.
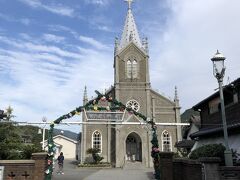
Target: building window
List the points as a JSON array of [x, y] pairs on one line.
[[129, 68], [235, 98], [166, 141], [132, 68], [133, 104], [214, 105], [97, 140]]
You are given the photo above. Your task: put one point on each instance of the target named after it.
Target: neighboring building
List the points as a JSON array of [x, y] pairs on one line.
[[211, 130], [120, 143], [26, 139], [195, 124], [67, 143], [187, 143]]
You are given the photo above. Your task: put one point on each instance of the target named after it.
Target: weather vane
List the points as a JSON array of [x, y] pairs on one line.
[[129, 3]]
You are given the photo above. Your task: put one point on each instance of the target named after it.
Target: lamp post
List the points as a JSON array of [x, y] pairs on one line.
[[218, 71], [44, 119]]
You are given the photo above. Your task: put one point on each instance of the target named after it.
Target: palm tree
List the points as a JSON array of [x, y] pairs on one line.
[[9, 113]]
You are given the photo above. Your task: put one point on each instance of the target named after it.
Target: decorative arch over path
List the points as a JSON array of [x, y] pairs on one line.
[[93, 105]]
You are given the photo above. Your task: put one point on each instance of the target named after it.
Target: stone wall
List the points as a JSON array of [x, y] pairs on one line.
[[17, 168], [229, 173], [25, 169], [201, 169], [187, 170]]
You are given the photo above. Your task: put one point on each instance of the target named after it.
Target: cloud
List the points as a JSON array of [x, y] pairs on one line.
[[104, 28], [53, 8], [93, 42], [42, 80], [53, 38], [24, 21], [181, 50], [42, 48], [56, 27], [98, 2], [5, 17]]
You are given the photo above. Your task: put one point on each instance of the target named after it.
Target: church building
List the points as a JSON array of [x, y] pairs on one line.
[[121, 143]]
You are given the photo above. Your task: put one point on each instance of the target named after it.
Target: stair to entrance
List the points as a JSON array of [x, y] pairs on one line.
[[131, 165]]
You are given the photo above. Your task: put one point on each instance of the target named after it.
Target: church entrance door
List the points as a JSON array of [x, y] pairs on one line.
[[133, 147]]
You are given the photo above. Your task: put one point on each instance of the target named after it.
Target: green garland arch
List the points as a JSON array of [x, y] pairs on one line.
[[92, 105]]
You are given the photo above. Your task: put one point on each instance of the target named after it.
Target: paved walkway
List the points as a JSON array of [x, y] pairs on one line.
[[132, 171]]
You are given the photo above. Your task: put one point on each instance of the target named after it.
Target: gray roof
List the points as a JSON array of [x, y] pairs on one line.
[[211, 131], [216, 94], [69, 134]]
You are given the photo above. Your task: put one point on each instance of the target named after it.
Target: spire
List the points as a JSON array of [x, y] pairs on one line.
[[176, 94], [85, 98], [130, 32], [145, 44], [116, 46], [177, 115]]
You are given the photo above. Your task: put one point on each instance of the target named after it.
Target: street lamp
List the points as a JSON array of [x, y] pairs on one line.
[[44, 119], [218, 72]]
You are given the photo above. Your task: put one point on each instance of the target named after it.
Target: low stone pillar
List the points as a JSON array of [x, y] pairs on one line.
[[210, 167], [229, 172], [40, 165], [166, 165]]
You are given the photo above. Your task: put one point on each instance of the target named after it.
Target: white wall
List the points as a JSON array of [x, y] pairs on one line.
[[68, 147]]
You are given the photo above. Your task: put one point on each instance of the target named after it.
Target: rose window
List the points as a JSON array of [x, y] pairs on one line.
[[133, 104]]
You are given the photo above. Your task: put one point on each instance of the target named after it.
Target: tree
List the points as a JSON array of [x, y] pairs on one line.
[[28, 150], [10, 142], [9, 113]]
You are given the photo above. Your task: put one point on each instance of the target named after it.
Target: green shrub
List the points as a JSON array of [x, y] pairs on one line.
[[210, 150], [28, 150], [99, 165], [95, 155]]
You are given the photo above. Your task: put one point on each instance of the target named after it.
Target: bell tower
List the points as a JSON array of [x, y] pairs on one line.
[[132, 87], [131, 70]]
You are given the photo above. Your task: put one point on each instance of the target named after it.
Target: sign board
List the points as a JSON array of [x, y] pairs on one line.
[[1, 172], [104, 115]]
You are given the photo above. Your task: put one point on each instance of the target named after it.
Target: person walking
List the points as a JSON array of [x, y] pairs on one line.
[[60, 163]]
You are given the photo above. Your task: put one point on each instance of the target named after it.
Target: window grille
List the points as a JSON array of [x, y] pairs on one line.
[[97, 140], [166, 142]]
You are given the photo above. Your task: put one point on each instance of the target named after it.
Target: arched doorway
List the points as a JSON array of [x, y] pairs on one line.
[[133, 147]]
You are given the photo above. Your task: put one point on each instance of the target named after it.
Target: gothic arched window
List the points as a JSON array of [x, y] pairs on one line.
[[166, 141], [132, 68], [129, 68], [97, 140]]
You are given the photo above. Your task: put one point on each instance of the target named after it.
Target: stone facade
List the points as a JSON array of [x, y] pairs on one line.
[[121, 143]]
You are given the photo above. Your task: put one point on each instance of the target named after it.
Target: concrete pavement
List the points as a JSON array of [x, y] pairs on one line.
[[131, 171], [72, 172]]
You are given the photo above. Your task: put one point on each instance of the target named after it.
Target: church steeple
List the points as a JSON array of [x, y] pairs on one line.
[[177, 115], [85, 97], [130, 32]]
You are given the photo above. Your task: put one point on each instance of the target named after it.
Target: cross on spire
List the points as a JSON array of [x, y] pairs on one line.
[[129, 3], [130, 32]]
